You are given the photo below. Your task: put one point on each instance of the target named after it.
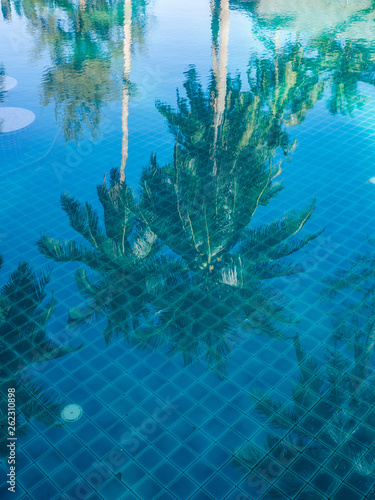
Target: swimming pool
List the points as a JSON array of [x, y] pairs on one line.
[[187, 295]]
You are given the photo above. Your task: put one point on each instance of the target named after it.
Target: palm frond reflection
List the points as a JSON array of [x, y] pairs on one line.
[[183, 265], [25, 342]]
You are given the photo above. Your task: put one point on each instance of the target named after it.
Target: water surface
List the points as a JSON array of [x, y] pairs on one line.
[[186, 234]]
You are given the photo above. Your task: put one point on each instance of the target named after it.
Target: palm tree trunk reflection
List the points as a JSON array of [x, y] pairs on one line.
[[219, 67], [6, 10], [125, 91]]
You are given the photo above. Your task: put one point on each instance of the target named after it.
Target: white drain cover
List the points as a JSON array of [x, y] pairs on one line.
[[71, 413], [12, 119], [8, 83]]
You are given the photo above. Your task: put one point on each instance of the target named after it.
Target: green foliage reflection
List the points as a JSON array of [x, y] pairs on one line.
[[24, 342], [185, 266]]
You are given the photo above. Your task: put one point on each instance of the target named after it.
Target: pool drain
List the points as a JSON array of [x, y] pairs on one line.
[[8, 83], [71, 413], [13, 119]]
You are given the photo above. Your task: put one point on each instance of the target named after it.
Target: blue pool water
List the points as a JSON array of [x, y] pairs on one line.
[[215, 327]]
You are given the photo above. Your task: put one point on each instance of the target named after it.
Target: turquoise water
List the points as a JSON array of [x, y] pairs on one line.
[[193, 270]]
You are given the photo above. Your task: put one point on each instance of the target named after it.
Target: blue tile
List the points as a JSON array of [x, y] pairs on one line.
[[290, 484], [83, 461], [218, 487], [166, 473], [183, 457], [37, 448], [154, 381], [166, 444], [276, 494], [325, 482], [148, 488], [118, 431], [149, 459], [102, 446], [30, 477], [197, 391], [183, 488], [182, 430], [232, 440], [88, 432], [198, 443], [304, 467], [198, 416], [92, 407], [233, 474], [111, 372], [114, 488], [108, 395], [70, 447], [243, 402], [310, 493], [216, 456], [138, 394], [45, 489], [183, 380], [247, 427], [213, 403], [165, 495], [136, 418], [55, 435], [132, 474], [200, 472], [51, 461], [229, 415], [64, 477], [339, 465], [214, 428], [344, 492], [183, 404], [360, 479], [102, 420]]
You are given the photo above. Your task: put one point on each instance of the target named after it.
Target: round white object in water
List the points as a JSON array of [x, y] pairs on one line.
[[71, 413], [8, 83], [13, 119], [371, 180]]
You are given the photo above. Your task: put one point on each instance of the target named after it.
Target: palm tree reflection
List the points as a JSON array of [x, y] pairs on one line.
[[201, 207], [337, 42], [2, 91], [354, 318], [85, 43], [80, 80], [6, 10], [185, 266], [320, 424], [124, 254], [287, 83], [328, 414], [24, 342], [347, 63]]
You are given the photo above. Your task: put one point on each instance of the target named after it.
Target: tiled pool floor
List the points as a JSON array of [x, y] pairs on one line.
[[210, 309]]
